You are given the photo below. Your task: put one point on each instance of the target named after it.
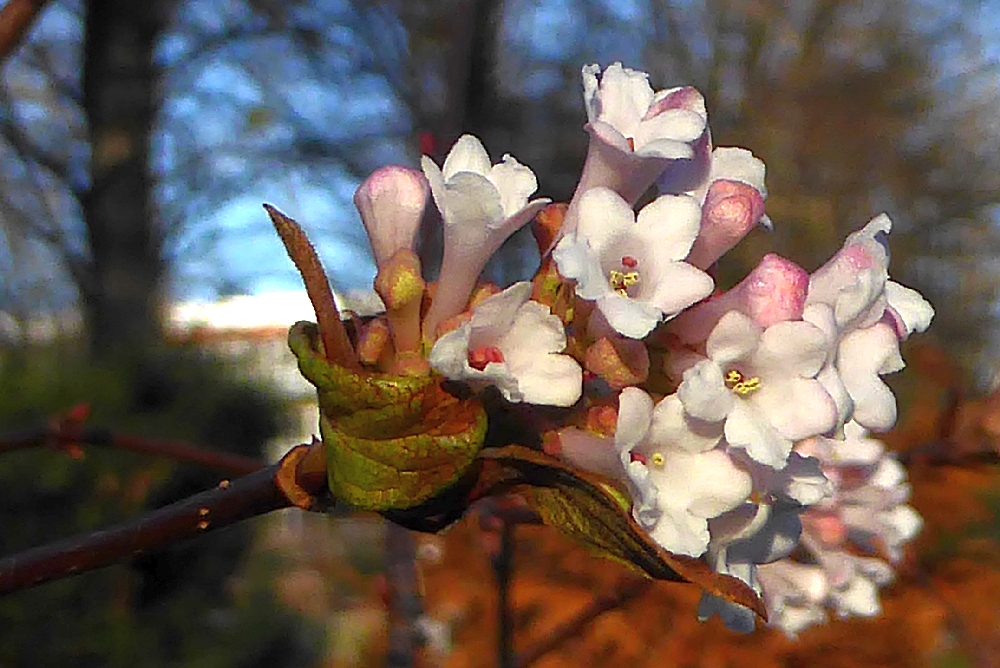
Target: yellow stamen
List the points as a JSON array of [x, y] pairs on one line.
[[621, 281], [740, 384], [656, 460]]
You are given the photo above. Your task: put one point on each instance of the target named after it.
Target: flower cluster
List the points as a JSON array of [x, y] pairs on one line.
[[735, 420]]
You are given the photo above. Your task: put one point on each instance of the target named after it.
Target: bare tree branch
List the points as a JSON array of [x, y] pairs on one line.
[[295, 480], [625, 590], [175, 450], [16, 18]]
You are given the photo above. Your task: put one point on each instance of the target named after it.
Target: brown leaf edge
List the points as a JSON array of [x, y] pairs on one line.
[[591, 508]]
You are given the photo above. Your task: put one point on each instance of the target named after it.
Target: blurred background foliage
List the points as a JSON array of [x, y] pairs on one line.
[[137, 141], [201, 603]]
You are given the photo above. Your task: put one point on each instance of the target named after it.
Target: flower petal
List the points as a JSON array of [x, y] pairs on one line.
[[622, 98], [749, 429], [796, 408], [864, 355], [790, 349], [515, 182], [676, 285], [635, 414], [534, 330], [703, 392], [670, 224], [493, 317], [471, 203], [738, 164], [630, 317], [603, 217], [915, 311], [576, 261], [673, 427], [549, 380], [679, 126], [681, 533], [467, 155], [733, 338]]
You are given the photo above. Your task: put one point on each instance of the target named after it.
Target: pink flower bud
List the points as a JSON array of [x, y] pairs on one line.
[[391, 203], [775, 291], [730, 211]]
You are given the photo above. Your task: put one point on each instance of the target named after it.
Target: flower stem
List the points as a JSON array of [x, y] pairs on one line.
[[503, 568]]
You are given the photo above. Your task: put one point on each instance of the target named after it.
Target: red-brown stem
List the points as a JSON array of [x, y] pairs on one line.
[[338, 347], [626, 589], [176, 450], [230, 502], [404, 602], [16, 18]]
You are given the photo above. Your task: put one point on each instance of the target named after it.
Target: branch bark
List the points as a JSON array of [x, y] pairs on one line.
[[176, 450], [295, 480], [626, 589]]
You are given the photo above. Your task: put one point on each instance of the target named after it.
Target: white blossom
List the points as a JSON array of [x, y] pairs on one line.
[[633, 266], [636, 134], [514, 344], [679, 484], [762, 384], [481, 205]]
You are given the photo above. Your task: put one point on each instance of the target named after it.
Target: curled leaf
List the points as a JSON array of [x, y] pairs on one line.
[[392, 442], [594, 511]]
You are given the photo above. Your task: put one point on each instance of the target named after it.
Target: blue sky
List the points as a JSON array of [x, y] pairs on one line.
[[228, 244]]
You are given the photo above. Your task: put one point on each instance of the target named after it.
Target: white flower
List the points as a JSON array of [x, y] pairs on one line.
[[633, 267], [742, 540], [481, 206], [680, 484], [762, 384], [514, 344], [865, 515], [911, 312], [636, 134], [864, 315], [794, 594]]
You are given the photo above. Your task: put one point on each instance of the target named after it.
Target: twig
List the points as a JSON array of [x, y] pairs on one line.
[[176, 450], [16, 18], [946, 453], [626, 589], [503, 567], [404, 597], [295, 480]]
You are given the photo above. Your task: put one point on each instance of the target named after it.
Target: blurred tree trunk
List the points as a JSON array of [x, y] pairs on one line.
[[122, 292]]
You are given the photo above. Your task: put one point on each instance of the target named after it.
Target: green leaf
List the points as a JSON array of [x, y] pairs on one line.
[[392, 442]]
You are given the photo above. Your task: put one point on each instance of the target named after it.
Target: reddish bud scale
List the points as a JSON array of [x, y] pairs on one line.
[[637, 457], [601, 420]]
